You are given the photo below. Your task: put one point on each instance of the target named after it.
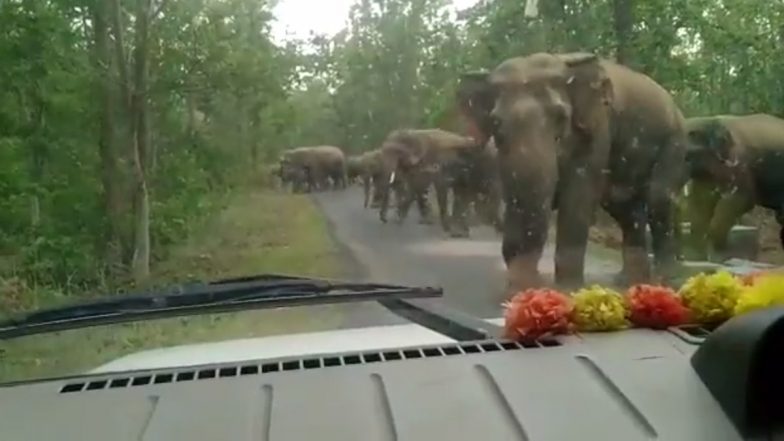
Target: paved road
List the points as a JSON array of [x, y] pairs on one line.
[[471, 271]]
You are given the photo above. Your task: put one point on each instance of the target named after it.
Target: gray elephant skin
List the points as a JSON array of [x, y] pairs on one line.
[[735, 162], [575, 132], [314, 168]]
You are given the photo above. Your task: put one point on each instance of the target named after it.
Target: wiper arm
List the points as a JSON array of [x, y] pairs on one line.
[[257, 292]]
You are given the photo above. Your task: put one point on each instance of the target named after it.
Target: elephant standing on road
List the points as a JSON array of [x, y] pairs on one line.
[[473, 176], [353, 169], [295, 178], [573, 132], [416, 157], [735, 163], [369, 170], [314, 167]]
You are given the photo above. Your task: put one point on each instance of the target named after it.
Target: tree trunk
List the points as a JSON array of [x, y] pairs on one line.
[[125, 125], [106, 141], [140, 264], [119, 48], [623, 21]]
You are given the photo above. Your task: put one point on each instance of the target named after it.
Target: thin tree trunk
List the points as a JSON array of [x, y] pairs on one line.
[[623, 21], [126, 145], [140, 264], [106, 142], [119, 48], [38, 151]]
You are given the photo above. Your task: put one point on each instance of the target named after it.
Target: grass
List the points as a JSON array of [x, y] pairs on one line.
[[258, 232]]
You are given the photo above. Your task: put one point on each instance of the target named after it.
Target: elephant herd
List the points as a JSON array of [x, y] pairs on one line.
[[567, 134], [408, 165]]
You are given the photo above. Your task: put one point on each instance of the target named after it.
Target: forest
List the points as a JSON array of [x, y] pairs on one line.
[[125, 123]]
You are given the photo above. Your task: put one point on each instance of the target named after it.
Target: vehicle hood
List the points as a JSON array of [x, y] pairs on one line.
[[344, 340]]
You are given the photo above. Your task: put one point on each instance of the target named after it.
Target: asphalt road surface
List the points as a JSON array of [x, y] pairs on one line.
[[471, 271]]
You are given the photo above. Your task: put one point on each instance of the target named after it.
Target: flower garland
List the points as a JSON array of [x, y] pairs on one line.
[[704, 299]]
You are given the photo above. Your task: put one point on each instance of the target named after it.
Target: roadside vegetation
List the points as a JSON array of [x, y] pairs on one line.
[[258, 231]]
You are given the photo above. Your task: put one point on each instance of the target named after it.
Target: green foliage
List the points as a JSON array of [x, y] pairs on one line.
[[214, 76], [397, 62]]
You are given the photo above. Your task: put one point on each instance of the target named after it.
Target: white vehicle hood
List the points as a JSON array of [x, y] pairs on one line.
[[344, 340]]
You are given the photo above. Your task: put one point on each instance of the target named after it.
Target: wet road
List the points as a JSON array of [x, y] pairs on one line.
[[471, 271]]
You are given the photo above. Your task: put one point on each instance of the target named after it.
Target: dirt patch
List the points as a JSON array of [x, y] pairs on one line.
[[606, 232], [770, 245]]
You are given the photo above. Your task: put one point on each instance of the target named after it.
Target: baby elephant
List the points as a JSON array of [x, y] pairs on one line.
[[735, 163]]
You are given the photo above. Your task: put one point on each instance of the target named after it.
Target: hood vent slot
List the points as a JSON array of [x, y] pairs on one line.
[[244, 369]]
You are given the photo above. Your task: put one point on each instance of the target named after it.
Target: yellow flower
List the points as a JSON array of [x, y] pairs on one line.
[[599, 309], [766, 291], [711, 298]]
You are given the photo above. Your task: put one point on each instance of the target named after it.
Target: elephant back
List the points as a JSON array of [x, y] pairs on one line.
[[637, 97]]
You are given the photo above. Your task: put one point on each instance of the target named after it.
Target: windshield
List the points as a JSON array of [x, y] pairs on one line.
[[481, 146]]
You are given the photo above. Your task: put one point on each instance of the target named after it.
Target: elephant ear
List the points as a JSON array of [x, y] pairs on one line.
[[475, 99], [409, 146], [590, 88]]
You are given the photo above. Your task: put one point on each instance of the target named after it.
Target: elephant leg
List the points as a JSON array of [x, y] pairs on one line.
[[661, 211], [700, 204], [458, 222], [375, 183], [400, 194], [576, 207], [631, 217], [366, 190], [678, 218], [344, 181], [405, 197], [442, 196], [728, 210], [423, 205], [384, 193], [418, 188]]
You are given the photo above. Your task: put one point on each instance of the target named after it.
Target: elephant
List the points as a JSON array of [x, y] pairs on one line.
[[473, 176], [368, 168], [354, 169], [575, 132], [295, 178], [416, 158], [315, 167], [735, 162]]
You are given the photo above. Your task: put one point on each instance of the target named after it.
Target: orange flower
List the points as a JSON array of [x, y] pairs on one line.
[[536, 313]]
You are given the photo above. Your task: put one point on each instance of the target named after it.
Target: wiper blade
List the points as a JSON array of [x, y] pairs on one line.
[[256, 292]]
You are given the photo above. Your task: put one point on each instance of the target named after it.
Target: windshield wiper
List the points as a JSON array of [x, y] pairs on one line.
[[257, 292]]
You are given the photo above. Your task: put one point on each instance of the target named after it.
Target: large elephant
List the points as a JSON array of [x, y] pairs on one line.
[[417, 159], [318, 166], [574, 132], [735, 163]]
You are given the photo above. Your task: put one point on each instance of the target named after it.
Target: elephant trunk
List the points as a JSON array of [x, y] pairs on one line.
[[529, 173]]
